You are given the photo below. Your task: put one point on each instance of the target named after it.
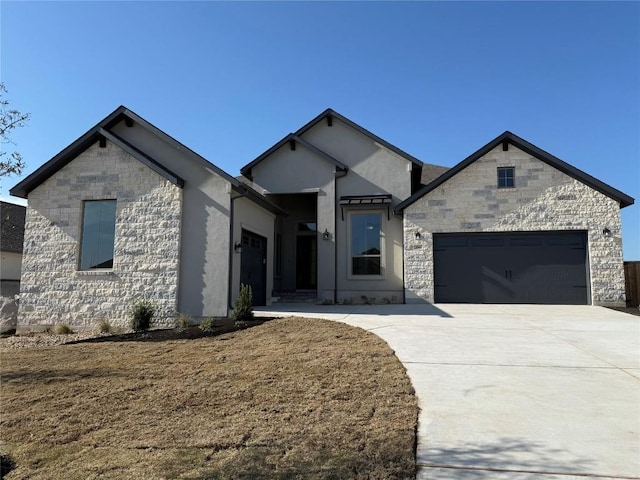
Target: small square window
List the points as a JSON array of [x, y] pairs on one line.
[[506, 177]]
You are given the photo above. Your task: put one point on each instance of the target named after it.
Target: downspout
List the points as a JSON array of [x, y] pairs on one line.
[[338, 174], [231, 252]]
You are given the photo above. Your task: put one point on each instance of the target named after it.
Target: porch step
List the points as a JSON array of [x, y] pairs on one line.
[[305, 296]]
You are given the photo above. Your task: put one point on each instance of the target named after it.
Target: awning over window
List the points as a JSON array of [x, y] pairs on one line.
[[365, 201]]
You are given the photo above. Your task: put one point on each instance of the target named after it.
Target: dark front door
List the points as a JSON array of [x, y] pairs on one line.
[[530, 267], [253, 265], [306, 262]]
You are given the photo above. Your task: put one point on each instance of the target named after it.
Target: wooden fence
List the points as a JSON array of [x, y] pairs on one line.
[[632, 283]]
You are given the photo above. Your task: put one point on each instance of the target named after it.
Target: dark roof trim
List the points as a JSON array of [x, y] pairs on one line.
[[246, 170], [23, 188], [623, 199], [142, 157], [251, 194], [332, 113], [367, 200], [328, 113], [177, 145]]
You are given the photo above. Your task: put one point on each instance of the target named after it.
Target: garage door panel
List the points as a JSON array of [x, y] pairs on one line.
[[536, 267]]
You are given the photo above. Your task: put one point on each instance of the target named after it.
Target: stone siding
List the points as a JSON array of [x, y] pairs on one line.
[[543, 199], [146, 245]]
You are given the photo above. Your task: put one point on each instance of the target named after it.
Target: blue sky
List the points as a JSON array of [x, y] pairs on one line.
[[439, 80]]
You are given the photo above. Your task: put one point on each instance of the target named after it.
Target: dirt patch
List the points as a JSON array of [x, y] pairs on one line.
[[292, 398]]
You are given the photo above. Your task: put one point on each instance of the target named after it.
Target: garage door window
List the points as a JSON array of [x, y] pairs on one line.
[[366, 244], [506, 177]]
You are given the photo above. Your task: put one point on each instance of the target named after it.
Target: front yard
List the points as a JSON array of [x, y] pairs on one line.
[[291, 398]]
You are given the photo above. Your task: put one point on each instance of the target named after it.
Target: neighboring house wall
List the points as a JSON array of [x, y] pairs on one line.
[[249, 216], [10, 265], [146, 245], [544, 199], [206, 213]]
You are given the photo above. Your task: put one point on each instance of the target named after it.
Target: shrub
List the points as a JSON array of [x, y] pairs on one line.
[[183, 321], [206, 326], [242, 306], [6, 464], [63, 329], [142, 314], [105, 326]]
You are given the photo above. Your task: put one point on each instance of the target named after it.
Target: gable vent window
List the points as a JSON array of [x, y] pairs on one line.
[[506, 177], [98, 232]]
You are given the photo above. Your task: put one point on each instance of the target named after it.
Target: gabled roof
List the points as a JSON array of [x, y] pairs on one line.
[[516, 141], [103, 130], [12, 219], [328, 114], [292, 137]]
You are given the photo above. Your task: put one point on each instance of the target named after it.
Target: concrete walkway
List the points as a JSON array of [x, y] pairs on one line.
[[513, 392]]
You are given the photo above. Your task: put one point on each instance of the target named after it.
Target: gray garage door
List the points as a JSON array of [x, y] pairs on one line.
[[530, 267]]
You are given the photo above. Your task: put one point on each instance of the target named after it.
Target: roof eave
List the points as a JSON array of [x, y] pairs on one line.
[[623, 199]]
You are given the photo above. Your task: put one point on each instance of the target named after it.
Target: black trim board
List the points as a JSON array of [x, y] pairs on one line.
[[511, 138], [329, 113], [292, 137], [102, 130]]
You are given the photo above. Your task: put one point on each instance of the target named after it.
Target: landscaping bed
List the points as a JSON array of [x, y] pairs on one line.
[[290, 398]]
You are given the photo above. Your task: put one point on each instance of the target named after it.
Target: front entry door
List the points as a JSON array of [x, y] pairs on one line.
[[306, 262], [253, 265]]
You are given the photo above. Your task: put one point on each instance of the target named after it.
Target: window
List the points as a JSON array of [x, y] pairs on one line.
[[506, 177], [366, 257], [98, 231]]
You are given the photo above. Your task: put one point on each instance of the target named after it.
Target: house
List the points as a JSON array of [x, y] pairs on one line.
[[330, 212], [11, 237]]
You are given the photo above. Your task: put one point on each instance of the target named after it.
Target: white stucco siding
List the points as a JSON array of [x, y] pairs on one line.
[[373, 170], [544, 199], [206, 218], [146, 243], [372, 167], [298, 171]]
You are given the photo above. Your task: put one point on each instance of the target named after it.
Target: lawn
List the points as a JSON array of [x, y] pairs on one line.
[[291, 398]]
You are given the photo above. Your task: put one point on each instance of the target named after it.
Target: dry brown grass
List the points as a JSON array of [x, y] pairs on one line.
[[291, 398]]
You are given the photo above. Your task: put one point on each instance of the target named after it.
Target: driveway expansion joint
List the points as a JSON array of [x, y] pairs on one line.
[[536, 472]]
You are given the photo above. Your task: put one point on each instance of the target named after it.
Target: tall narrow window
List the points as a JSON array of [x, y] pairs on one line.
[[98, 231], [366, 257], [506, 177]]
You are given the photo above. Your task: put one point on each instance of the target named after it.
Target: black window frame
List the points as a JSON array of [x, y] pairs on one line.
[[84, 238], [506, 177]]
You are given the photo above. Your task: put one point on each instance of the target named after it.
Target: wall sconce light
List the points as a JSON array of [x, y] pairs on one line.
[[606, 232], [418, 235], [237, 247], [325, 234]]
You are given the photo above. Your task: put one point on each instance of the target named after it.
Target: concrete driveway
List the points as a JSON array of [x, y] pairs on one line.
[[514, 391]]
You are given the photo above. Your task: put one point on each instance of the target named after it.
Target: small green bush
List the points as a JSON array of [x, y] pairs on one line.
[[207, 326], [183, 321], [142, 314], [105, 326], [242, 306], [63, 329]]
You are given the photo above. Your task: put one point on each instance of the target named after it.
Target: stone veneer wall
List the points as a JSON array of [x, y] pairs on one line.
[[146, 246], [544, 199]]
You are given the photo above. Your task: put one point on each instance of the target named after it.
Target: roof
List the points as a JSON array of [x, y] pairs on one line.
[[12, 218], [623, 199], [327, 114], [102, 130]]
